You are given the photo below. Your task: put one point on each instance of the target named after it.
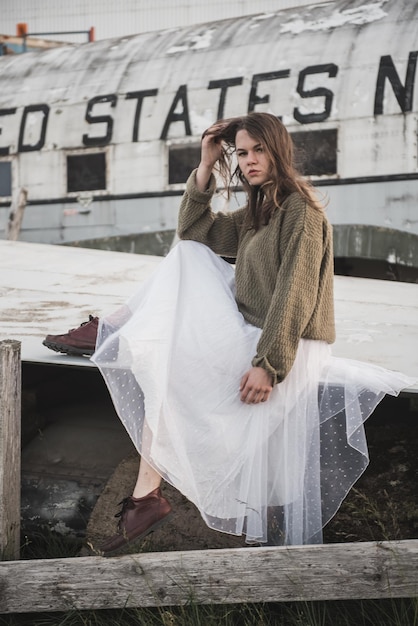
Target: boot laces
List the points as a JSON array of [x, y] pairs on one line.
[[125, 505], [91, 318]]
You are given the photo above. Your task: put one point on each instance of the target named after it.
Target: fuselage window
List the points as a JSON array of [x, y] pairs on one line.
[[86, 172], [5, 179], [316, 151], [182, 159]]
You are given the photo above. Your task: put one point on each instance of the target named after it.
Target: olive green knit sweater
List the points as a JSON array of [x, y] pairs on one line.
[[283, 272]]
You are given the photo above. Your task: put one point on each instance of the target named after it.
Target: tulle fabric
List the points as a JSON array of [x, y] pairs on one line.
[[173, 357]]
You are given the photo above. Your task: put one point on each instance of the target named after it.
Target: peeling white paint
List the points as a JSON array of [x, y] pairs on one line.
[[195, 42], [360, 15], [256, 21]]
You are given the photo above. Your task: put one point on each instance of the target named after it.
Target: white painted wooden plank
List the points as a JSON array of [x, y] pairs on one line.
[[49, 289]]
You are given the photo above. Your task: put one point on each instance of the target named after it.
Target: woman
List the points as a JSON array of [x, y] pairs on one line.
[[224, 378]]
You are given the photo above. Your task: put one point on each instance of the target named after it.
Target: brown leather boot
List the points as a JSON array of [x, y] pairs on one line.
[[78, 341], [138, 517]]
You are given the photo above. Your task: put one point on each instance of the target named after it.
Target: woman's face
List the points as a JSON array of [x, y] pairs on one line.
[[252, 159]]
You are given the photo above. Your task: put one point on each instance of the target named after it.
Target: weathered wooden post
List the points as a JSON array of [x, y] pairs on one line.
[[10, 436], [16, 214]]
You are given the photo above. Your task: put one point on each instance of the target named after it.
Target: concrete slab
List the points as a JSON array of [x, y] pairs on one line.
[[50, 289]]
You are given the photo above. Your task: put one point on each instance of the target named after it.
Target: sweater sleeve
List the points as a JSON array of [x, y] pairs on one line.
[[295, 294], [219, 231]]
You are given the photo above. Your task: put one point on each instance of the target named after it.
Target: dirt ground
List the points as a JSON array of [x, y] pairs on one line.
[[383, 505]]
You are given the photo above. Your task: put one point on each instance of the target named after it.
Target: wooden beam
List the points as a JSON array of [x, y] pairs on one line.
[[10, 434], [243, 575]]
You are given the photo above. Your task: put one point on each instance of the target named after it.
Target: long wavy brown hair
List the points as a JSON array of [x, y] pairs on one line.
[[277, 143]]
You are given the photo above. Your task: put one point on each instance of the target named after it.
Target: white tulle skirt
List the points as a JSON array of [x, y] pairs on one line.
[[173, 357]]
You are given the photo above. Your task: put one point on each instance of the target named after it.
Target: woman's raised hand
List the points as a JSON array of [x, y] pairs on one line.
[[211, 150], [211, 147]]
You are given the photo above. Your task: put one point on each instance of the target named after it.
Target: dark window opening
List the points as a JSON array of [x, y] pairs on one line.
[[182, 160], [375, 268], [316, 152], [86, 172], [5, 178]]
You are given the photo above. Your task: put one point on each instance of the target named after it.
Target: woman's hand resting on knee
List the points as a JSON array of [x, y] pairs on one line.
[[256, 386]]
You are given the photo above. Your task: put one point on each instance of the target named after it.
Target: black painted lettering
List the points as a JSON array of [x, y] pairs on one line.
[[254, 98], [139, 97], [308, 118], [5, 150], [223, 85], [183, 116], [403, 93], [100, 119], [33, 108]]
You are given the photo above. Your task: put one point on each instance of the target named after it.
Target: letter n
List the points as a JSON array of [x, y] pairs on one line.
[[403, 93]]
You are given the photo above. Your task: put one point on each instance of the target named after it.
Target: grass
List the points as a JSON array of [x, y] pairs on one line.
[[47, 544], [402, 612]]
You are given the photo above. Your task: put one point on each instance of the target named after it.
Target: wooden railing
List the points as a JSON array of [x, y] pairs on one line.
[[238, 575]]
